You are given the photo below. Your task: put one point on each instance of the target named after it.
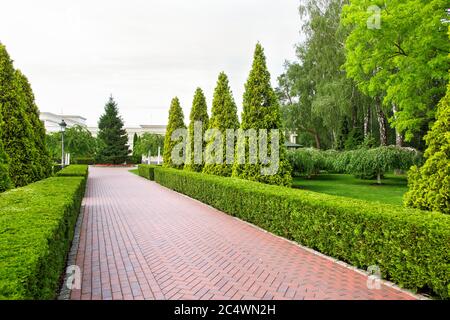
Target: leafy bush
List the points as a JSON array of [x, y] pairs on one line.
[[411, 247], [74, 171], [88, 161], [147, 171], [37, 223], [429, 186], [307, 162]]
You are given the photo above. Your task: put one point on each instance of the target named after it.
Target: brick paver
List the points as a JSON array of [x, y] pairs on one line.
[[142, 241]]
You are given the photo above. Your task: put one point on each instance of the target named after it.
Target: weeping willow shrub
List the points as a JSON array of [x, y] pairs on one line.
[[306, 162], [376, 162]]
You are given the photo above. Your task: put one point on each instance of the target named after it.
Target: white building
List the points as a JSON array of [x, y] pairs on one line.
[[52, 121]]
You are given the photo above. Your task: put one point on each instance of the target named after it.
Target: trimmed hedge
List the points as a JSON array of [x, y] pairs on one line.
[[411, 247], [74, 170], [147, 171], [37, 224]]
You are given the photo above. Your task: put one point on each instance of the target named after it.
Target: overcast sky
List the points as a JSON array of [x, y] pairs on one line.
[[144, 52]]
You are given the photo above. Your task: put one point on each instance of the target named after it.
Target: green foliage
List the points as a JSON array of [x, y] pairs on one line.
[[224, 116], [317, 97], [42, 161], [137, 158], [429, 186], [112, 135], [74, 170], [176, 121], [80, 160], [5, 181], [374, 163], [78, 141], [16, 131], [37, 224], [199, 113], [149, 142], [411, 247], [262, 111], [147, 171], [405, 60], [307, 162]]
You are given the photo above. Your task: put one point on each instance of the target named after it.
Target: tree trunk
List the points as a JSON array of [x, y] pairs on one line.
[[399, 141], [382, 122], [317, 138], [367, 121], [379, 178]]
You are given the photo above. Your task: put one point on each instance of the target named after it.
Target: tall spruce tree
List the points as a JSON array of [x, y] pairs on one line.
[[195, 145], [16, 131], [262, 111], [43, 161], [429, 186], [176, 121], [223, 117], [5, 181], [113, 136]]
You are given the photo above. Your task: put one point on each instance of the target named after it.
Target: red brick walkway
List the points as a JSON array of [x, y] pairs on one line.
[[141, 241]]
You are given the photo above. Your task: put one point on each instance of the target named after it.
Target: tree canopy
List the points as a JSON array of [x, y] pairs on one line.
[[223, 117], [176, 122], [112, 135]]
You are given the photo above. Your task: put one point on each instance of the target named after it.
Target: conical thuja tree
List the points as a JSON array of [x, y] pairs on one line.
[[198, 125], [137, 158], [43, 163], [262, 111], [15, 131], [223, 117], [174, 126], [429, 186], [112, 135]]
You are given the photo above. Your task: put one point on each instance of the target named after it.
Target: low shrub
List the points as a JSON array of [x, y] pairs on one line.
[[147, 171], [74, 170], [37, 223], [411, 247]]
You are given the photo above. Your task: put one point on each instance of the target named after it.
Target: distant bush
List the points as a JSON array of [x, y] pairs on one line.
[[37, 224], [74, 170], [306, 162], [88, 161], [411, 247], [368, 163]]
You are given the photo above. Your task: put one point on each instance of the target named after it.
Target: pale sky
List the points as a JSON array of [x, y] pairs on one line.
[[144, 52]]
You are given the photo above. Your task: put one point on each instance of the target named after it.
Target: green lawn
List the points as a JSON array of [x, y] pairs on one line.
[[391, 192], [135, 171]]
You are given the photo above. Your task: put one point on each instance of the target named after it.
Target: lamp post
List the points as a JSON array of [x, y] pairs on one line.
[[63, 126]]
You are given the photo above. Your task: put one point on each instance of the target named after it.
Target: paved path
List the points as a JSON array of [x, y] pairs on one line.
[[142, 241]]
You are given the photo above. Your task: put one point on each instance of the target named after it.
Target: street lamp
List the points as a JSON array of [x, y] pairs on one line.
[[63, 126]]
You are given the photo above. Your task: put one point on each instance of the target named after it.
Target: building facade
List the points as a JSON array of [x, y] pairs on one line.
[[51, 122]]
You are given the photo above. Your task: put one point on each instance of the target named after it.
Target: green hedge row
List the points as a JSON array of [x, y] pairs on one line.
[[37, 223], [74, 170], [411, 247], [147, 171]]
